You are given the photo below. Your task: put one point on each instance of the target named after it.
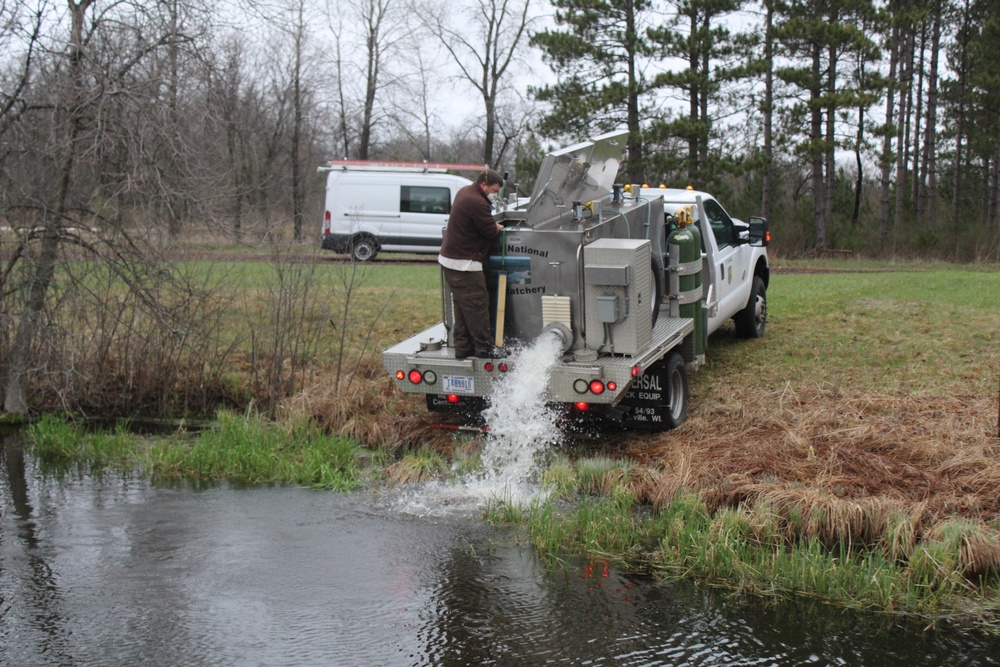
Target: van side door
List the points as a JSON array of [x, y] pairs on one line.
[[365, 203], [424, 213]]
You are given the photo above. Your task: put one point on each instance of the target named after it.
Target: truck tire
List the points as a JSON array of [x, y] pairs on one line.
[[363, 248], [750, 321], [677, 390]]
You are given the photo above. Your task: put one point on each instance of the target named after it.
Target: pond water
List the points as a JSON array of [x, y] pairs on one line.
[[113, 570]]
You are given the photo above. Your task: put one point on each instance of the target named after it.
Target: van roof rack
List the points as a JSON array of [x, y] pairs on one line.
[[382, 165]]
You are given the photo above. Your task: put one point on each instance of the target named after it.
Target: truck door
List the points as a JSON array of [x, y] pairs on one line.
[[730, 268]]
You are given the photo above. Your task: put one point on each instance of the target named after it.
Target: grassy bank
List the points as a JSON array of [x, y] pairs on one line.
[[949, 572], [239, 449], [851, 454]]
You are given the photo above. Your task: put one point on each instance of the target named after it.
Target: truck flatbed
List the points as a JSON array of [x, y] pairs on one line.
[[427, 351]]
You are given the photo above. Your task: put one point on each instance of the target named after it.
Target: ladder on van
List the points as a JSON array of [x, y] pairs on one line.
[[382, 165]]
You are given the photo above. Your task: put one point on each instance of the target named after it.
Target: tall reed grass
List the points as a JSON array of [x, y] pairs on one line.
[[768, 547]]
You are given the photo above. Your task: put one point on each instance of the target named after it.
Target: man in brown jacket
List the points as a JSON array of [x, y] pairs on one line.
[[464, 251]]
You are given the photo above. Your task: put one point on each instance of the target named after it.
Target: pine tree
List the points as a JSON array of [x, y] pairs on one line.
[[819, 35], [697, 37], [599, 53]]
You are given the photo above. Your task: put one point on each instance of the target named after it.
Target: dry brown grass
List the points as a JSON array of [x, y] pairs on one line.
[[886, 471], [369, 409], [873, 470]]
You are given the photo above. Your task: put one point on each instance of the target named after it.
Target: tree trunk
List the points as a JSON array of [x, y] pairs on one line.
[[636, 157], [962, 76], [929, 184], [903, 124], [994, 189], [860, 180], [886, 157], [491, 129], [298, 196], [830, 140], [703, 95], [70, 117], [918, 117], [175, 203], [369, 106], [767, 204], [693, 106], [818, 155]]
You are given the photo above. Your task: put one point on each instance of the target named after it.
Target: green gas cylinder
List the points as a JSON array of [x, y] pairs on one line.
[[687, 257]]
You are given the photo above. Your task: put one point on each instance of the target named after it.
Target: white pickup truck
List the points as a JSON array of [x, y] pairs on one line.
[[631, 280]]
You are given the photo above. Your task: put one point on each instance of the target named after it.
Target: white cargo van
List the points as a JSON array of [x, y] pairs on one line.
[[374, 207]]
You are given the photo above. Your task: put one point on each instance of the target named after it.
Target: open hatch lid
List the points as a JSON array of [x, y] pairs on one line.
[[582, 172]]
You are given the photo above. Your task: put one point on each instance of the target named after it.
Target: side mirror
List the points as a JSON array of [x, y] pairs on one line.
[[760, 233]]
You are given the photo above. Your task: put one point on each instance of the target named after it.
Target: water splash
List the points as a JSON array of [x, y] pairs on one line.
[[522, 428], [522, 431]]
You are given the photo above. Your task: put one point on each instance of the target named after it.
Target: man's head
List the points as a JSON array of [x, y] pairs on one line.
[[489, 180]]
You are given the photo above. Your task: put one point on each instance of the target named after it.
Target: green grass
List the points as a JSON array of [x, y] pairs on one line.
[[61, 443], [685, 540], [399, 297], [240, 449], [914, 329]]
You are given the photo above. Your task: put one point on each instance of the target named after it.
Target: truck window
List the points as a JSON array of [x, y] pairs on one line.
[[722, 224], [423, 199]]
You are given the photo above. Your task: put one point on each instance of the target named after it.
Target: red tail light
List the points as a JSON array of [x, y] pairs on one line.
[[596, 387], [415, 376], [582, 407]]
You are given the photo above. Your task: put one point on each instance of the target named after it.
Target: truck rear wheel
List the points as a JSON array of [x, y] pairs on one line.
[[677, 390], [363, 248], [657, 399], [750, 321]]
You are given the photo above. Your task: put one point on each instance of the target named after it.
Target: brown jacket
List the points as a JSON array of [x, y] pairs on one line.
[[471, 226]]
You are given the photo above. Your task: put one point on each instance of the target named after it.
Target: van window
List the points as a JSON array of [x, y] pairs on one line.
[[422, 199]]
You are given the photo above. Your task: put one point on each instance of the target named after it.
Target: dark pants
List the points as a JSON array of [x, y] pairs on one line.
[[472, 331]]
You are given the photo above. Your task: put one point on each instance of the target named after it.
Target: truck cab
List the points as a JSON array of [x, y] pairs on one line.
[[735, 260]]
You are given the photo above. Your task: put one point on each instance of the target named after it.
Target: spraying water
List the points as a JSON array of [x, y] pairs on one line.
[[522, 430]]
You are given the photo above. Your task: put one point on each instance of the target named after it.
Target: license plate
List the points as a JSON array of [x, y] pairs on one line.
[[458, 384]]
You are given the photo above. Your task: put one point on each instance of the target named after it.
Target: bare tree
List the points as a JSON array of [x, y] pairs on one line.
[[20, 36], [484, 41], [298, 93], [413, 114], [102, 51], [344, 112], [69, 119], [384, 27]]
